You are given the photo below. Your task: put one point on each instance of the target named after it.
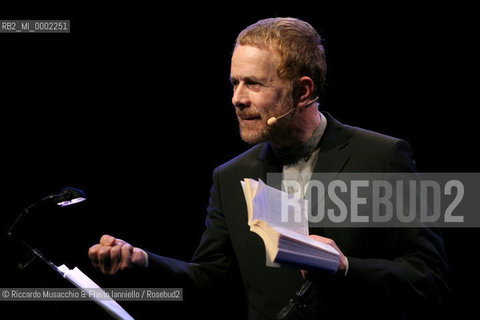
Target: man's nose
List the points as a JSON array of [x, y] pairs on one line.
[[240, 97]]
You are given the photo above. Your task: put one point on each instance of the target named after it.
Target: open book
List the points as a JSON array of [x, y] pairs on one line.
[[281, 220], [82, 281]]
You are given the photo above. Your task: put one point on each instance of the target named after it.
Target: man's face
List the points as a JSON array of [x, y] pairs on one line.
[[258, 93]]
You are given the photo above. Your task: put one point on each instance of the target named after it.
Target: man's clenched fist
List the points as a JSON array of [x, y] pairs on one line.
[[112, 255]]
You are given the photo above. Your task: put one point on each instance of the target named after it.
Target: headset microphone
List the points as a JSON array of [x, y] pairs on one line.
[[271, 121]]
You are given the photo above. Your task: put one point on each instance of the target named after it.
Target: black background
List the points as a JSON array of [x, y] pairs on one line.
[[133, 107]]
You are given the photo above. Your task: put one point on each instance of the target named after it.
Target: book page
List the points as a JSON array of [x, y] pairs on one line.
[[279, 209], [306, 240], [249, 187], [82, 281]]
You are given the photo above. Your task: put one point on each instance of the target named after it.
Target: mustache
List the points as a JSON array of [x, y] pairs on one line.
[[252, 112], [248, 114]]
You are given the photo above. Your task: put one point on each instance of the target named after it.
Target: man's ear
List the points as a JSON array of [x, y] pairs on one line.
[[304, 91]]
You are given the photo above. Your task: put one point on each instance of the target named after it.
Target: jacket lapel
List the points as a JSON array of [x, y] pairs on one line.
[[334, 152], [269, 167], [333, 156]]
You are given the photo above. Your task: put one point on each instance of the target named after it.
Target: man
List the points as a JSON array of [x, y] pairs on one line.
[[277, 71]]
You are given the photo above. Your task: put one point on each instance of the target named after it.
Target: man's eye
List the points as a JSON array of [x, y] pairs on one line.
[[254, 85]]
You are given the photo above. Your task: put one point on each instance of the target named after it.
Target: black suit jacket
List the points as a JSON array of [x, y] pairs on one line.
[[391, 271]]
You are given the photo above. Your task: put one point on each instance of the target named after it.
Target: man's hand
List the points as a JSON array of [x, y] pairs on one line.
[[112, 255], [342, 268]]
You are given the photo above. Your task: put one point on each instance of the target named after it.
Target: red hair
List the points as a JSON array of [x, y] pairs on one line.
[[298, 44]]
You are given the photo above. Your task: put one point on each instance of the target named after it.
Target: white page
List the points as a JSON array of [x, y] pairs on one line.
[[82, 281], [280, 209], [306, 239]]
